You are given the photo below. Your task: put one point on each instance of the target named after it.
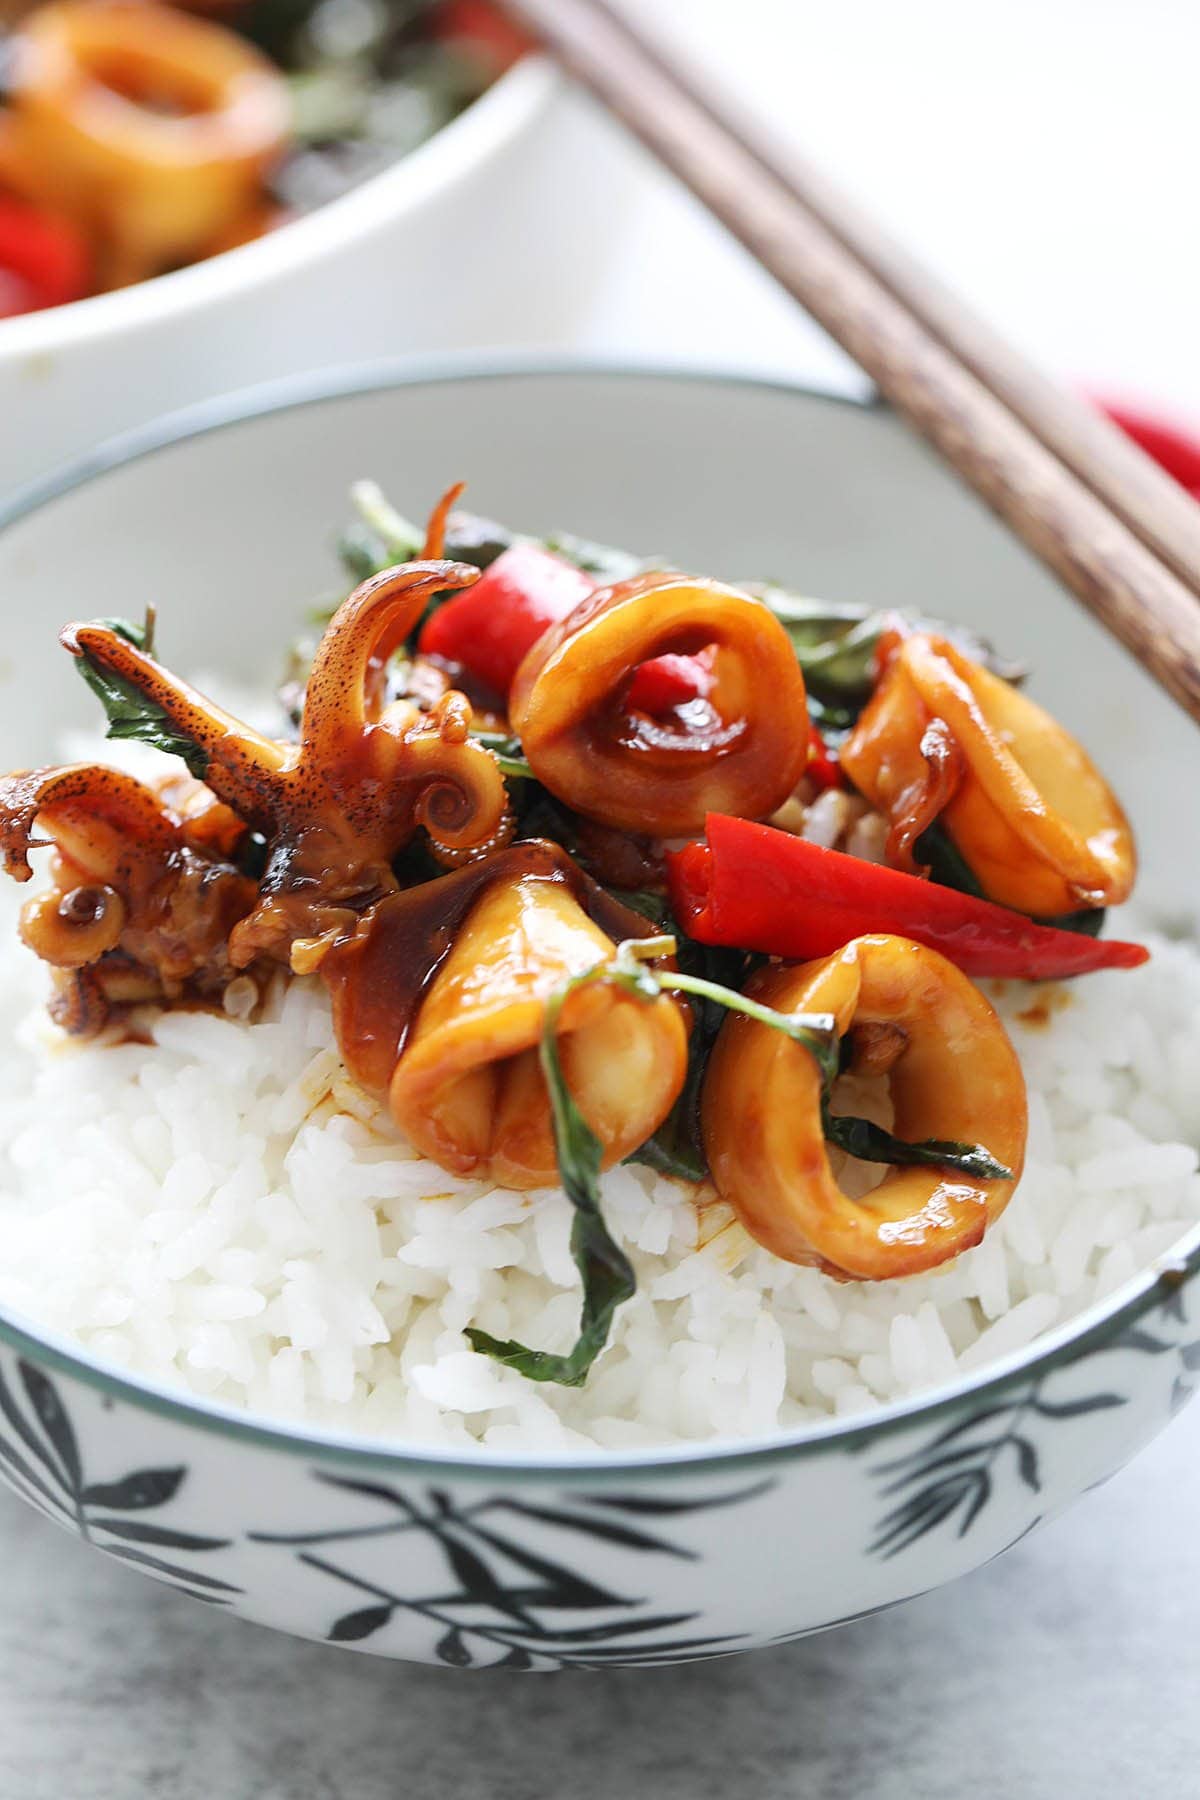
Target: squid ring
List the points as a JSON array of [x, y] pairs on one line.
[[160, 127], [468, 1088], [957, 1077], [1033, 817], [740, 751]]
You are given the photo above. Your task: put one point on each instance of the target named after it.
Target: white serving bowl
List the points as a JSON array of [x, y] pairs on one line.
[[224, 520], [488, 233]]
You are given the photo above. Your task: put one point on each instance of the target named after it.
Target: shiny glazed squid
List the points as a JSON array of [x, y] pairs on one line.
[[495, 746]]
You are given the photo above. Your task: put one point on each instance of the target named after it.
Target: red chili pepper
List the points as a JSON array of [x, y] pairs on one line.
[[489, 628], [1173, 449], [670, 681], [824, 770], [757, 888], [43, 261], [483, 26]]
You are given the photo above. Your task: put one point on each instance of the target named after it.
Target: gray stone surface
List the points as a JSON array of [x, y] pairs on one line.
[[1067, 1670]]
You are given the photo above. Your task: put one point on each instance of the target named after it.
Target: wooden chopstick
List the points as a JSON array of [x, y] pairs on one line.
[[1155, 508], [937, 369]]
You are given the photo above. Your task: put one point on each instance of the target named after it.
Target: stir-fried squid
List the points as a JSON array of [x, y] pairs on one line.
[[138, 136], [153, 131], [951, 1073], [336, 808], [524, 1021], [468, 1089], [942, 738], [143, 897], [739, 748]]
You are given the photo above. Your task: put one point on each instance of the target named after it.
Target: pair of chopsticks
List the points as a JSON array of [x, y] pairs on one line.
[[1120, 535]]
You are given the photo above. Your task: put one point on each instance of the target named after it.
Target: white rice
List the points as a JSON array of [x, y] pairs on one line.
[[222, 1211]]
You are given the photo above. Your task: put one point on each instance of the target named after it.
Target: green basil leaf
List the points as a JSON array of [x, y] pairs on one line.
[[604, 1269], [381, 536], [1088, 921], [655, 907], [937, 851], [508, 753], [601, 560], [841, 667], [362, 554], [871, 1143], [677, 1147], [835, 645], [473, 539]]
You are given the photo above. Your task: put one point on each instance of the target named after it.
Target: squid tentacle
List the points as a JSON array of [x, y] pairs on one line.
[[345, 685], [110, 825], [435, 531], [338, 807]]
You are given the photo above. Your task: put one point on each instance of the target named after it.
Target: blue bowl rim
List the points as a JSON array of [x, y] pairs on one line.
[[1094, 1331]]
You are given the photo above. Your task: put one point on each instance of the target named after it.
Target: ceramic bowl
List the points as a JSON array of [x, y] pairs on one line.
[[419, 258], [225, 520]]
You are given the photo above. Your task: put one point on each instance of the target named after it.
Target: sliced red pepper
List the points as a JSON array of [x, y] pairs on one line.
[[669, 681], [824, 770], [489, 628], [45, 261], [757, 888]]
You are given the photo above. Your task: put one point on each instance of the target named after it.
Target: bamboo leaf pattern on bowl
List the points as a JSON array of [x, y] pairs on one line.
[[949, 1481], [1150, 1342], [41, 1461], [508, 1602]]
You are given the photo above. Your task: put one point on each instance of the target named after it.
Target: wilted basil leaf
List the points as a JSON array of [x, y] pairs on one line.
[[871, 1143], [607, 1276], [936, 851]]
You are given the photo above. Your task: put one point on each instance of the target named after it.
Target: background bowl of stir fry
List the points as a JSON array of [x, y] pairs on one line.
[[198, 194], [597, 1556]]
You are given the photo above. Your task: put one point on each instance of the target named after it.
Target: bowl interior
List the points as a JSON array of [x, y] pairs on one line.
[[225, 520], [229, 532]]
